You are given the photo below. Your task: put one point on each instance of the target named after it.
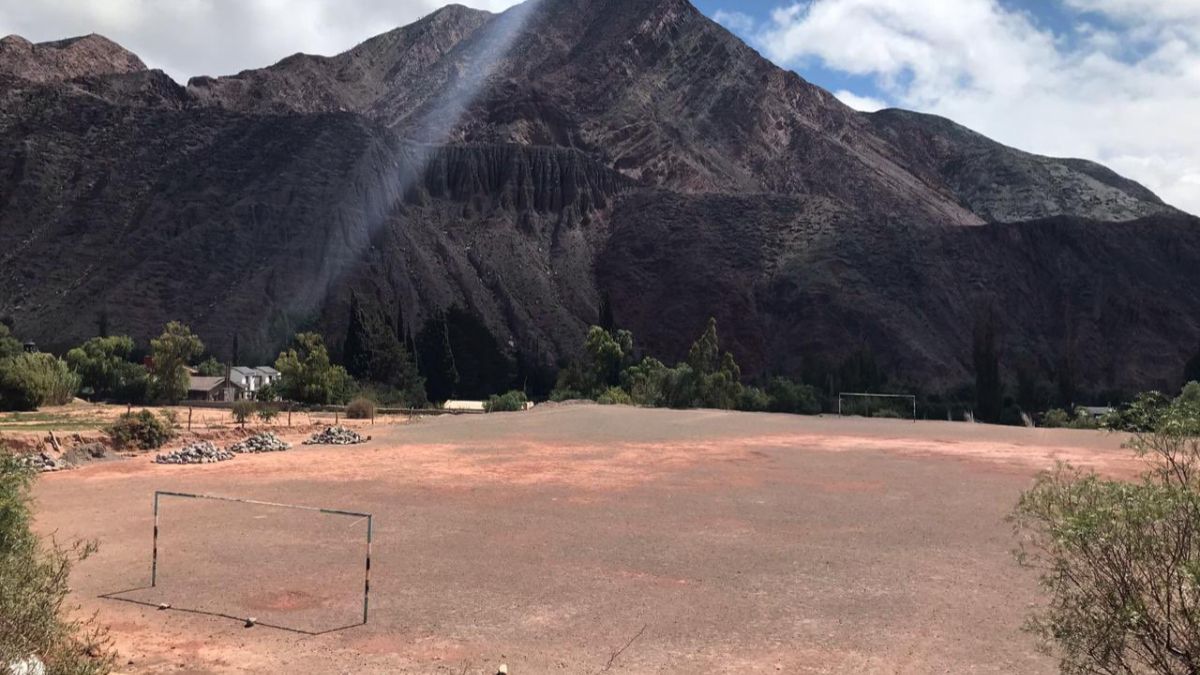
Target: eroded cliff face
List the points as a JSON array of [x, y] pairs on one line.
[[618, 149]]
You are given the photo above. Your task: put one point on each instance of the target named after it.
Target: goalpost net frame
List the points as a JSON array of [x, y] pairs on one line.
[[859, 394], [159, 494]]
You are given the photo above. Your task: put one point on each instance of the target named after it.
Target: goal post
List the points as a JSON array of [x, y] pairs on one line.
[[874, 405], [300, 511]]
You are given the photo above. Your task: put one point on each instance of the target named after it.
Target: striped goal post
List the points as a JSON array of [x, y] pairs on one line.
[[160, 494]]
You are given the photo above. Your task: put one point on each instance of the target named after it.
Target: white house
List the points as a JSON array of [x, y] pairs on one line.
[[251, 380]]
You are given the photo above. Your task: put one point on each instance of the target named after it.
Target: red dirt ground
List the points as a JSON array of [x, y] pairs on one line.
[[552, 540]]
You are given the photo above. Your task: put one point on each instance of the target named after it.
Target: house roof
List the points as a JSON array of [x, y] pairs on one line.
[[205, 383], [243, 371], [267, 370]]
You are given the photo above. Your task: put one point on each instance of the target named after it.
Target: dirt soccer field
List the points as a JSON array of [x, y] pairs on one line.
[[582, 540]]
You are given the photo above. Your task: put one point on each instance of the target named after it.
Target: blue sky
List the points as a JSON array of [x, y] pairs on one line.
[[1115, 81]]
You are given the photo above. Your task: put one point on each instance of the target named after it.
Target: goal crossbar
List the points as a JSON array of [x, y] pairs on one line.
[[159, 494], [858, 394]]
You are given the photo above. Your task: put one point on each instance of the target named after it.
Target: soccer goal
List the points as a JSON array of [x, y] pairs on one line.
[[298, 568], [902, 406]]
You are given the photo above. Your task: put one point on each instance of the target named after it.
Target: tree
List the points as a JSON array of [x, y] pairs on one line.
[[1120, 561], [30, 381], [105, 370], [374, 352], [211, 367], [989, 389], [460, 357], [437, 359], [705, 355], [171, 353], [1191, 372], [243, 410], [355, 351], [607, 321], [717, 376], [308, 376], [9, 345]]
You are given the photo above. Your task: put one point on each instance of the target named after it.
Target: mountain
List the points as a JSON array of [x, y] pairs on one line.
[[65, 59], [530, 165]]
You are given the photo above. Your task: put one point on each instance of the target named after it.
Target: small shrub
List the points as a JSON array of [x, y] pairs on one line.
[[1077, 419], [34, 585], [614, 396], [243, 410], [1056, 418], [142, 430], [1117, 560], [513, 401], [268, 413], [170, 416], [560, 395], [361, 409]]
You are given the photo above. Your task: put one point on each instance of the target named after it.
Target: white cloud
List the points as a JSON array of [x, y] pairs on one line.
[[1126, 95], [863, 103], [735, 21], [219, 37]]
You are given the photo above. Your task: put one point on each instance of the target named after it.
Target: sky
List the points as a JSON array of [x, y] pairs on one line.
[[1115, 81]]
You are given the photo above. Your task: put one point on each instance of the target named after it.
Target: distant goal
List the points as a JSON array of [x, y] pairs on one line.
[[863, 404]]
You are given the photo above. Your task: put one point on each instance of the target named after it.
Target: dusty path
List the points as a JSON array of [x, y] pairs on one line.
[[706, 541]]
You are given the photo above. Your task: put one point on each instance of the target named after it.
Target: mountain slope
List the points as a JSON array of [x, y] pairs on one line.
[[65, 59], [525, 166]]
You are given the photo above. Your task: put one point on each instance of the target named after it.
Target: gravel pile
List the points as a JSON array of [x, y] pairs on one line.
[[44, 462], [200, 452], [336, 436], [267, 442]]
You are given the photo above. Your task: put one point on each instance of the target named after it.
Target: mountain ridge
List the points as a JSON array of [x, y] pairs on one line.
[[650, 160]]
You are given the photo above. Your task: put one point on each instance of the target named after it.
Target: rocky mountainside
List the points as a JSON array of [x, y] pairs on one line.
[[65, 59], [528, 165]]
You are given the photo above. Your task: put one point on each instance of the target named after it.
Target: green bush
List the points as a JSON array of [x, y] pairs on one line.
[[1076, 419], [34, 584], [361, 409], [142, 430], [754, 399], [243, 410], [614, 396], [791, 397], [30, 381], [560, 395], [267, 412], [513, 401], [1056, 418], [1117, 560]]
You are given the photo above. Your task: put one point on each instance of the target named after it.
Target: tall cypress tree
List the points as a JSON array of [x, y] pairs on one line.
[[356, 353], [989, 390], [1191, 372]]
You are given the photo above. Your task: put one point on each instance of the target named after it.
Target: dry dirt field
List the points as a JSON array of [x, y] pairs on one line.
[[582, 540]]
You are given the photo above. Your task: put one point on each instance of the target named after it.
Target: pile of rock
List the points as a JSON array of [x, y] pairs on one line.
[[200, 452], [265, 442], [42, 461], [336, 436]]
